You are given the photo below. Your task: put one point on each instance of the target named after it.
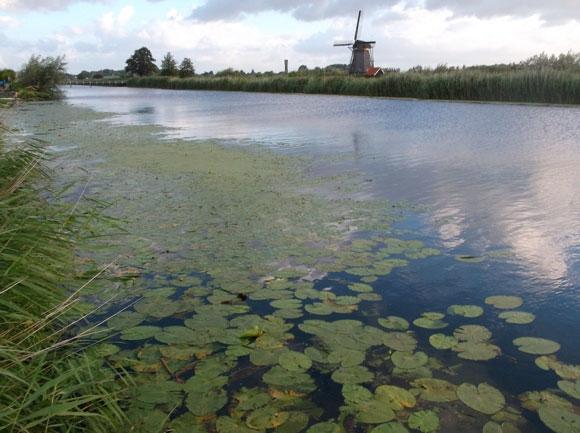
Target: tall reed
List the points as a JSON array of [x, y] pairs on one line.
[[532, 85], [48, 383]]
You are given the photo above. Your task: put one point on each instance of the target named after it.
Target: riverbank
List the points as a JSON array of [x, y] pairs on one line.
[[537, 86]]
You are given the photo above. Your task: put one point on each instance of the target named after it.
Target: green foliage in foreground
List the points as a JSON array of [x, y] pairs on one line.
[[46, 383], [533, 85]]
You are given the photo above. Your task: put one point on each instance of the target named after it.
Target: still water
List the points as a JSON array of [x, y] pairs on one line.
[[486, 178]]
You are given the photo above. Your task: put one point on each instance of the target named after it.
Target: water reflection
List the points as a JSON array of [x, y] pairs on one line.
[[492, 176]]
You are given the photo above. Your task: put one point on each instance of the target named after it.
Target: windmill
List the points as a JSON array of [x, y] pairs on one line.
[[362, 52]]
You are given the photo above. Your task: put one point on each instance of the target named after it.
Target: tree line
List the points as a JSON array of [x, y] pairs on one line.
[[142, 63]]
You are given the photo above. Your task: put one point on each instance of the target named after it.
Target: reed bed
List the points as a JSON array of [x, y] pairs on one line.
[[528, 86], [48, 382]]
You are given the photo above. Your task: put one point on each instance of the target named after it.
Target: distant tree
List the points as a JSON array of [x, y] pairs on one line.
[[43, 73], [141, 63], [169, 66], [7, 74], [98, 76], [303, 68], [83, 75], [186, 68]]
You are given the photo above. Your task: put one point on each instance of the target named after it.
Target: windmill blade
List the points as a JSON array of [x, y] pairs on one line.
[[343, 44], [357, 25]]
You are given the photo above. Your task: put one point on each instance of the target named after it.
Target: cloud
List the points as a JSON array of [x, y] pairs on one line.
[[8, 22], [312, 10], [307, 10], [116, 24], [41, 4]]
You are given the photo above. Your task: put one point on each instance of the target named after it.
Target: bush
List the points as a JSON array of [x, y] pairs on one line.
[[41, 77]]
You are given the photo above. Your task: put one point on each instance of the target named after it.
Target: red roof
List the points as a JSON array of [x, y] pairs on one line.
[[373, 72]]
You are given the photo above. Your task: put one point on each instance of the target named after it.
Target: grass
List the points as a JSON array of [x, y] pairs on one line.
[[48, 383], [529, 86]]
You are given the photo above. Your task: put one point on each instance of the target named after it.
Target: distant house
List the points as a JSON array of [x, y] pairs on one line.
[[375, 72]]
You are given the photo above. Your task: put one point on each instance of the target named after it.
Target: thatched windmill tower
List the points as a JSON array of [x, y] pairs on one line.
[[362, 52]]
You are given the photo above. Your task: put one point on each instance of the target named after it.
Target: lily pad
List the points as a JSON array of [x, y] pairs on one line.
[[395, 323], [442, 341], [436, 390], [207, 403], [391, 427], [295, 361], [355, 394], [400, 341], [570, 388], [469, 259], [225, 424], [560, 421], [352, 375], [469, 311], [536, 346], [533, 400], [472, 333], [475, 351], [374, 412], [483, 398], [397, 398], [426, 421], [360, 288], [431, 321], [494, 427], [502, 302], [140, 333], [266, 418], [408, 360], [324, 427], [517, 317]]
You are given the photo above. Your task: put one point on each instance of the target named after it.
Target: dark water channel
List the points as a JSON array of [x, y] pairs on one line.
[[488, 178]]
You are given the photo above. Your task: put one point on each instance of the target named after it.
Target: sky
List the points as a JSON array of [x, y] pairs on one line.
[[260, 34]]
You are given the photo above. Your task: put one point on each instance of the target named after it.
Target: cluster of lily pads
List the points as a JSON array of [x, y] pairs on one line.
[[261, 340]]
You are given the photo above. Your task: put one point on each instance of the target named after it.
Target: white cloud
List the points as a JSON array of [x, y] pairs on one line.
[[116, 24], [9, 22]]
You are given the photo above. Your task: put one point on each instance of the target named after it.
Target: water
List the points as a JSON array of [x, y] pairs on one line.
[[489, 177]]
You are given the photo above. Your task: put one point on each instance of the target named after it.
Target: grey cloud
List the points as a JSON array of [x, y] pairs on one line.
[[48, 5], [307, 10], [554, 10], [311, 10]]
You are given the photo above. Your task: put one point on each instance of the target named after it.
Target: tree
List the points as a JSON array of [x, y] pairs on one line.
[[43, 74], [141, 63], [186, 68], [84, 75], [169, 65], [7, 75]]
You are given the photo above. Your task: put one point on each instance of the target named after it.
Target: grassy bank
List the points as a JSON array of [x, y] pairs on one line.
[[532, 86], [47, 383]]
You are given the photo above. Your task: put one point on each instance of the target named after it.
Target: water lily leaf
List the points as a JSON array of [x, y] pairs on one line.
[[559, 420], [472, 333], [408, 360], [177, 335], [262, 358], [296, 423], [536, 346], [207, 403], [125, 320], [425, 421], [252, 399], [354, 394], [430, 321], [347, 300], [374, 297], [400, 341], [106, 349], [352, 375], [374, 412], [159, 393], [475, 351], [346, 358], [469, 311], [225, 424], [200, 383], [483, 398], [324, 427], [320, 309], [565, 371], [140, 333], [360, 287], [416, 373], [504, 302], [179, 353], [288, 314], [395, 323], [397, 398], [442, 341], [533, 400], [295, 361], [188, 423], [266, 418], [517, 317], [436, 390], [506, 427], [283, 379], [391, 427], [288, 304], [570, 388]]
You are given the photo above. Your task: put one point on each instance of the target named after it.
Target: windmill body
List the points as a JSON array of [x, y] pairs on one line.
[[362, 58]]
